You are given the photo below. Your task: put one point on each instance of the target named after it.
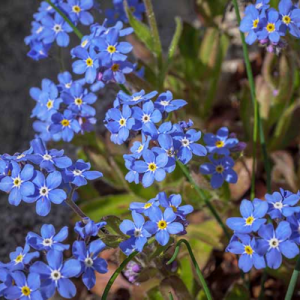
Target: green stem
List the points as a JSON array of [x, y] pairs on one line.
[[204, 198], [124, 89], [293, 281], [76, 30], [198, 271]]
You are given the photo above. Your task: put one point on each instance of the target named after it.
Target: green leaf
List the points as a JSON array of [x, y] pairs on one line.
[[114, 223], [237, 292], [141, 30], [111, 240], [175, 284], [154, 294]]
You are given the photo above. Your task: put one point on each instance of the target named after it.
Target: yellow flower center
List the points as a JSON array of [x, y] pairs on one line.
[[122, 122], [219, 169], [25, 290], [286, 20], [65, 122], [174, 208], [111, 49], [141, 147], [152, 167], [219, 144], [270, 27], [84, 43], [17, 182], [115, 67], [162, 224], [19, 258], [249, 220], [255, 23], [78, 101], [76, 9], [249, 250], [49, 104], [89, 62], [147, 205]]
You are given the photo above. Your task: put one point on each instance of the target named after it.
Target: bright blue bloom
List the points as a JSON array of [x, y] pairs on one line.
[[144, 208], [48, 160], [121, 122], [87, 124], [66, 124], [174, 202], [47, 100], [281, 204], [252, 214], [38, 50], [132, 175], [56, 29], [138, 148], [186, 143], [220, 143], [221, 170], [36, 33], [136, 97], [251, 24], [46, 192], [165, 102], [246, 247], [5, 279], [294, 221], [56, 274], [78, 11], [162, 225], [65, 81], [88, 63], [78, 100], [45, 9], [43, 132], [48, 239], [79, 173], [24, 288], [18, 157], [186, 125], [290, 17], [89, 260], [271, 27], [109, 47], [88, 228], [138, 234], [115, 71], [146, 117], [262, 4], [18, 185], [21, 257], [153, 167], [275, 243]]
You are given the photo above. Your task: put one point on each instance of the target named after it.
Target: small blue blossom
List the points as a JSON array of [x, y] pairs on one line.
[[88, 228], [132, 175], [138, 148], [165, 102], [38, 50], [252, 214], [162, 225], [116, 71], [262, 4], [88, 256], [290, 17], [48, 239], [138, 234], [136, 97], [5, 279], [144, 208], [221, 170], [294, 221]]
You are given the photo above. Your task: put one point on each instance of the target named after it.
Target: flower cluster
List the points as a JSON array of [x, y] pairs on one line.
[[220, 147], [49, 26], [26, 276], [118, 12], [42, 176], [165, 216], [268, 26], [256, 240]]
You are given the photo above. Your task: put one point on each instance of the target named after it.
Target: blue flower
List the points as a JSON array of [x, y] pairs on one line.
[[78, 11], [275, 243], [136, 97], [24, 288], [18, 185], [38, 50], [109, 47], [44, 10], [56, 29], [294, 221], [78, 100], [21, 257], [281, 204], [48, 160], [165, 102], [48, 239], [220, 143], [246, 247], [138, 148], [262, 4], [43, 132], [138, 234], [252, 214], [153, 167], [271, 27], [146, 118], [221, 170], [56, 274], [115, 71], [46, 192], [186, 143], [89, 260], [87, 64], [121, 122], [144, 208], [132, 175], [162, 225], [79, 173], [290, 17], [66, 124], [5, 279], [88, 228], [65, 81]]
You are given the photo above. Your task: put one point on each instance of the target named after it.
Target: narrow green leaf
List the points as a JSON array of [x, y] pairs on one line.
[[176, 38]]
